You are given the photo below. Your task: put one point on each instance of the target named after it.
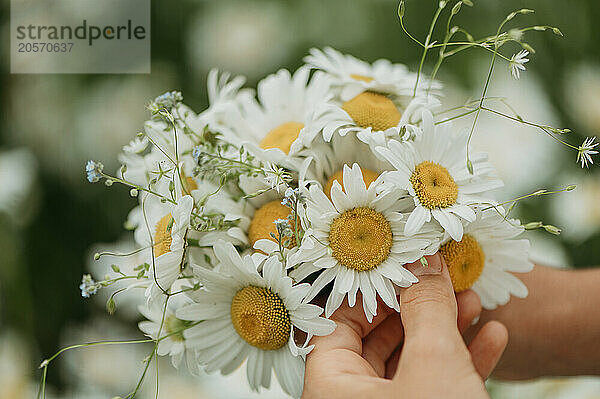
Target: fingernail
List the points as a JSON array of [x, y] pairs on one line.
[[432, 266], [475, 320]]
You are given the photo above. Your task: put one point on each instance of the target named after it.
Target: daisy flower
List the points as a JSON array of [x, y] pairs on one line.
[[352, 76], [246, 315], [517, 63], [254, 218], [328, 159], [223, 92], [585, 152], [374, 118], [171, 329], [434, 172], [163, 232], [356, 239], [375, 102], [483, 259], [287, 104]]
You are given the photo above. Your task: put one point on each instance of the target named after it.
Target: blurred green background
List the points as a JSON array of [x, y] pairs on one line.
[[50, 125]]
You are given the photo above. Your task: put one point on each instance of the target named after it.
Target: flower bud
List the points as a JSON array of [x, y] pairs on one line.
[[552, 229]]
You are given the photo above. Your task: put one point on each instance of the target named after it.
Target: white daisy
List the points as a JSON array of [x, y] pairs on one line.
[[163, 232], [287, 104], [434, 172], [171, 329], [517, 63], [143, 164], [253, 219], [375, 102], [485, 255], [357, 239], [353, 76], [223, 92], [328, 159], [246, 315], [374, 118]]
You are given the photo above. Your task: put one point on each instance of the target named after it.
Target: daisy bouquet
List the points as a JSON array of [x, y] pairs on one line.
[[321, 184]]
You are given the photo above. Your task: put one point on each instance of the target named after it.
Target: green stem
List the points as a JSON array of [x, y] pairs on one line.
[[426, 47]]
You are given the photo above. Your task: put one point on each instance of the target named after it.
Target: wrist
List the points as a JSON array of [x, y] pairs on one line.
[[553, 331], [576, 350]]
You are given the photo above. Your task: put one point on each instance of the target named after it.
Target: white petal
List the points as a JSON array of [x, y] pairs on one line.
[[418, 217]]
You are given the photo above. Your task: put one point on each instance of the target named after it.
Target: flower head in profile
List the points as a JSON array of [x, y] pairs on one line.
[[163, 234], [351, 76], [271, 127], [585, 152], [517, 62], [250, 315], [485, 257], [168, 330]]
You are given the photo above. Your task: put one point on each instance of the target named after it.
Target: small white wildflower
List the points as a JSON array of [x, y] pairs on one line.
[[94, 171], [88, 286], [585, 152], [293, 196], [516, 63], [275, 176], [283, 227], [167, 100]]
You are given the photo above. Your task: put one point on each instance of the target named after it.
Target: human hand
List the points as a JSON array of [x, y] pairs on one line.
[[361, 359], [554, 330]]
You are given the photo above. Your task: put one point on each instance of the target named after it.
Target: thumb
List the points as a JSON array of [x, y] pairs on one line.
[[429, 306]]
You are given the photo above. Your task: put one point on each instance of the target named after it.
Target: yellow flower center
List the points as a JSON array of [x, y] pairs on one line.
[[372, 110], [162, 235], [262, 224], [434, 186], [282, 136], [360, 239], [361, 77], [465, 260], [260, 317], [368, 176]]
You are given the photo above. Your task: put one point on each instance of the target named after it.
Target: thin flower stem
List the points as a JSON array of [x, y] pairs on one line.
[[152, 248], [137, 187], [544, 128], [468, 104], [46, 362], [427, 46], [408, 33], [456, 116], [42, 390], [441, 57], [478, 109], [485, 88], [537, 193]]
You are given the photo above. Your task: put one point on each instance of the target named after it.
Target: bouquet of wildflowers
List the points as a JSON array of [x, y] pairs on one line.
[[321, 183]]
